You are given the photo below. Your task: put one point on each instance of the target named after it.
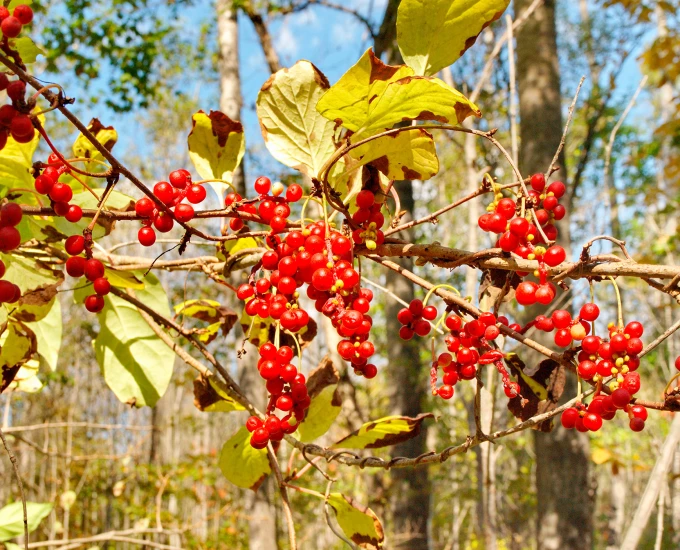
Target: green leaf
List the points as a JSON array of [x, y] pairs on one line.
[[14, 3], [136, 363], [416, 98], [14, 174], [37, 282], [210, 395], [383, 432], [12, 518], [82, 148], [216, 147], [48, 332], [359, 523], [241, 464], [406, 155], [322, 387], [28, 50], [294, 132], [348, 100], [123, 279], [432, 34]]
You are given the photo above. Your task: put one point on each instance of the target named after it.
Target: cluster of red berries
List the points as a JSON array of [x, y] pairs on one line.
[[604, 407], [59, 193], [568, 329], [469, 344], [520, 236], [170, 193], [274, 209], [14, 119], [415, 319], [369, 219], [288, 394], [11, 24], [93, 269], [10, 239]]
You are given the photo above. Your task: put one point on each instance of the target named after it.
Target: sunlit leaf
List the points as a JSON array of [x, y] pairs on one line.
[[48, 333], [27, 49], [294, 132], [326, 404], [216, 146], [26, 379], [211, 396], [384, 432], [241, 464], [83, 148], [12, 518], [432, 34], [359, 523]]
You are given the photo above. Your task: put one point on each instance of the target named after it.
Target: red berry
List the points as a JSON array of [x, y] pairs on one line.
[[253, 423], [445, 392], [365, 199], [538, 182], [22, 126], [196, 194], [526, 293], [94, 269], [144, 207], [492, 332], [75, 245], [637, 424], [75, 266], [23, 13], [74, 213], [620, 398], [429, 313], [634, 329], [16, 90], [592, 421], [260, 438], [262, 185], [587, 369], [563, 337], [506, 208], [11, 27], [94, 303], [557, 188], [184, 212], [61, 192], [163, 223], [406, 333], [10, 238], [369, 371], [179, 178], [677, 362], [508, 241], [554, 256], [10, 214], [569, 418], [102, 286], [43, 185], [561, 318], [146, 236], [589, 312], [164, 192], [294, 193], [416, 307]]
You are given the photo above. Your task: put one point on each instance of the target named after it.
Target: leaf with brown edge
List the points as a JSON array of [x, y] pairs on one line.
[[210, 395], [496, 283], [241, 464], [220, 317], [358, 522], [539, 392], [433, 34], [326, 404], [216, 147], [348, 99], [17, 345], [383, 432]]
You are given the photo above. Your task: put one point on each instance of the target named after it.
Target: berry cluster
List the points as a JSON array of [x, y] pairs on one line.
[[567, 329], [469, 344], [14, 118], [171, 194], [614, 362], [11, 24], [415, 319], [520, 236], [60, 193], [10, 239], [78, 265], [369, 219], [288, 394]]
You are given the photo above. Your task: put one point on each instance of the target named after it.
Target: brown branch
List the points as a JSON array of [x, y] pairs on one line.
[[262, 31], [13, 460]]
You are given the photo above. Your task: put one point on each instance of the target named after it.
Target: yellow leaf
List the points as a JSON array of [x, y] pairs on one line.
[[21, 153], [82, 148], [407, 155], [211, 396], [359, 523], [293, 131], [216, 147], [241, 464], [322, 385], [416, 98], [383, 432], [432, 34], [348, 99], [123, 279], [600, 456]]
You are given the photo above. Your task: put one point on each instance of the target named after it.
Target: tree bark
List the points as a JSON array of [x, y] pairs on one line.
[[565, 504]]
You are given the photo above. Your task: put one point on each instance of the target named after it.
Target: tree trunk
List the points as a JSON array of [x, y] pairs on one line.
[[562, 457]]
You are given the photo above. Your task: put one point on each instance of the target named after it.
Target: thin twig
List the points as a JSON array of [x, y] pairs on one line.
[[273, 461], [13, 460], [553, 164]]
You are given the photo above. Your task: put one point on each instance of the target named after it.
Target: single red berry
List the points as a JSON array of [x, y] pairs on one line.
[[636, 424], [43, 185], [506, 208], [589, 312], [538, 182], [94, 269], [10, 238], [526, 293], [554, 256], [16, 90], [11, 27], [94, 303], [10, 214], [23, 13], [592, 421], [634, 329], [557, 188], [294, 193], [61, 192], [22, 126], [677, 362], [561, 318], [260, 438], [587, 369], [416, 307], [563, 337], [429, 313], [492, 332], [184, 212], [445, 392], [144, 207], [102, 286], [75, 266], [164, 192], [620, 398], [196, 194], [569, 418], [369, 371], [262, 185], [163, 223], [74, 213], [179, 178], [146, 236], [365, 199], [253, 423]]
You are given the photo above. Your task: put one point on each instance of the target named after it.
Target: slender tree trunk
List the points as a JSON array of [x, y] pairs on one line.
[[562, 457]]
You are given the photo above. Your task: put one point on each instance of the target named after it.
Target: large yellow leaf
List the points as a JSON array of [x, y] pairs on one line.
[[383, 432], [416, 98], [432, 34], [294, 132], [216, 146], [359, 523], [407, 155], [322, 385], [241, 464], [348, 99]]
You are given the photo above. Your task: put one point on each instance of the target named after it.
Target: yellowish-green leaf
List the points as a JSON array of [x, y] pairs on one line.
[[48, 333], [241, 464], [17, 346], [12, 518], [348, 100], [358, 522], [82, 148], [416, 98], [37, 282], [346, 179], [200, 309], [26, 379], [322, 386], [123, 279], [28, 50], [14, 3], [255, 328], [210, 395], [21, 153], [216, 147], [220, 317], [236, 245], [293, 130], [600, 456], [432, 34], [14, 174], [407, 155], [383, 432]]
